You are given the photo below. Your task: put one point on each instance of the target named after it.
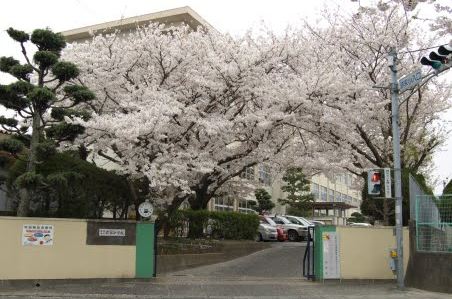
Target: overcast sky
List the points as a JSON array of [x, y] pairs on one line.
[[232, 16]]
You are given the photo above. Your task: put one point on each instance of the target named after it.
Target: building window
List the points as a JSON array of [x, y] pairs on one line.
[[224, 204], [348, 179], [344, 197], [244, 207], [323, 193], [349, 199], [248, 173], [330, 195], [243, 204], [315, 191], [338, 197], [264, 174], [344, 178], [339, 179]]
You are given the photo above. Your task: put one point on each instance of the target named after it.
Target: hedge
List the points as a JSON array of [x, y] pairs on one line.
[[214, 224]]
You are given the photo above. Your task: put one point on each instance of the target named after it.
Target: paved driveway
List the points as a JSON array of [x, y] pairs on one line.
[[271, 273], [283, 259]]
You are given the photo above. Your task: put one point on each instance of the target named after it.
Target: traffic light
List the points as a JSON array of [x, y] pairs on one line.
[[374, 182], [438, 59]]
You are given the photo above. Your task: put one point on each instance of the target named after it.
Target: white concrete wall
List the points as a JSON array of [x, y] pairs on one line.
[[68, 257], [364, 252]]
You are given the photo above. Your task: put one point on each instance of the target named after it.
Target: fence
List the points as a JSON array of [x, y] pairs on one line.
[[428, 267], [433, 223], [214, 224]]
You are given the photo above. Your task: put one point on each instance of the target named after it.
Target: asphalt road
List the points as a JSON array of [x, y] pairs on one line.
[[270, 273], [282, 260]]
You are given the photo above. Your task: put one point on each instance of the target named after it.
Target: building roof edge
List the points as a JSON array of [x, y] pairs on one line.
[[178, 14]]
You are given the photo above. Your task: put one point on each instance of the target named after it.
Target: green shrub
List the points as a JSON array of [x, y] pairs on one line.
[[227, 225]]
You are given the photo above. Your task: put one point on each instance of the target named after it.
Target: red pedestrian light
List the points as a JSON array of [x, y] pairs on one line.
[[374, 182], [376, 177]]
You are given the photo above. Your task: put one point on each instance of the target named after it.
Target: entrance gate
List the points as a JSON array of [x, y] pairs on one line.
[[309, 256]]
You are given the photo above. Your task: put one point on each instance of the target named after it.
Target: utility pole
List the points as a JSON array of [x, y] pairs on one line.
[[397, 169]]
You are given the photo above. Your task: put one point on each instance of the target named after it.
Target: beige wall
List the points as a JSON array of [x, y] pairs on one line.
[[68, 257], [364, 252]]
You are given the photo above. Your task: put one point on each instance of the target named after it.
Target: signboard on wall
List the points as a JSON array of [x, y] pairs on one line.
[[37, 235], [110, 233], [331, 265]]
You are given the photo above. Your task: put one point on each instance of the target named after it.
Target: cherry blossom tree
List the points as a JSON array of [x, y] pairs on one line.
[[191, 110], [350, 56], [440, 23]]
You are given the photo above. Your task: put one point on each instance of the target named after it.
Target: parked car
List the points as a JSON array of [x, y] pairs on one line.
[[281, 233], [266, 232], [300, 221], [295, 232], [317, 222]]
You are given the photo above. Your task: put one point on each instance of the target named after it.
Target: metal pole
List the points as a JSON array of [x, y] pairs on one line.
[[397, 170]]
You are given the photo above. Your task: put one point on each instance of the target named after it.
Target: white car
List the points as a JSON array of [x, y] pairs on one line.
[[294, 231], [299, 220], [317, 222], [266, 232]]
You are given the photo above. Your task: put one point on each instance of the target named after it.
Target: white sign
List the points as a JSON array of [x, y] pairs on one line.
[[145, 209], [410, 80], [37, 235], [112, 232], [331, 265], [388, 191]]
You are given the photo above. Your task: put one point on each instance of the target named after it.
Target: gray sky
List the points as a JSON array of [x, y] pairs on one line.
[[233, 16]]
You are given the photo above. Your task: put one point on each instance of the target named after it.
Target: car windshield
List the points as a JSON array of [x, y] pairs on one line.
[[305, 222], [270, 221], [295, 220], [283, 220]]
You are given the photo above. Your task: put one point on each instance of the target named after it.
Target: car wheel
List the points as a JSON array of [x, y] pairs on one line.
[[293, 235]]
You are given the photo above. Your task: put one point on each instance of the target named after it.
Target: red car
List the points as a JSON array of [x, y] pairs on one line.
[[282, 235]]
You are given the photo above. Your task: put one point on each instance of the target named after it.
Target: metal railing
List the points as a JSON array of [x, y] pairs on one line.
[[433, 217]]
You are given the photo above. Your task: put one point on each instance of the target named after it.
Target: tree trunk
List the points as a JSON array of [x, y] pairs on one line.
[[125, 210], [135, 199], [25, 194], [166, 231], [199, 202], [163, 220], [202, 195]]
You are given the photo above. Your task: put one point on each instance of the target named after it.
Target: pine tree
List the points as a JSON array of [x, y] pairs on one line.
[[299, 198], [42, 97], [264, 201]]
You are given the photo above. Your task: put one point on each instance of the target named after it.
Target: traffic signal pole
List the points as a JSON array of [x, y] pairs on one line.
[[397, 167]]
